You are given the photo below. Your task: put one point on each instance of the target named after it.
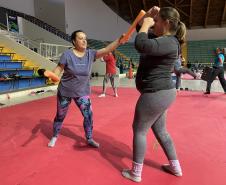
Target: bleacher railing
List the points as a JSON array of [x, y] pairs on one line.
[[22, 40], [52, 51], [47, 50]]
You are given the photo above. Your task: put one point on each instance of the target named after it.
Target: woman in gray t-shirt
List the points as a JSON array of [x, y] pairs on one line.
[[76, 65]]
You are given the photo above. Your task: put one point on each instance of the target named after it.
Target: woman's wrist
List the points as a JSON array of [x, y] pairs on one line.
[[144, 28]]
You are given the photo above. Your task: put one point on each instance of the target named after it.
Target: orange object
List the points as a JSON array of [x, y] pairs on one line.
[[52, 76], [132, 28]]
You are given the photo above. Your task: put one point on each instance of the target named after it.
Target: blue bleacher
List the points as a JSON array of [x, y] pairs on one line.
[[5, 57], [11, 65], [9, 85], [14, 77], [18, 72], [127, 49], [203, 52]]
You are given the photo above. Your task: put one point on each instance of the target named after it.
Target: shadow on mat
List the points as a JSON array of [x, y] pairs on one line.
[[112, 150], [45, 127], [115, 151]]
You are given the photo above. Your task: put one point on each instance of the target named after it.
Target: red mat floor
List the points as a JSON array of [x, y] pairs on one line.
[[196, 122]]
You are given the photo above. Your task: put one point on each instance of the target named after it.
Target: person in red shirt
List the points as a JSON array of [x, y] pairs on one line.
[[110, 61]]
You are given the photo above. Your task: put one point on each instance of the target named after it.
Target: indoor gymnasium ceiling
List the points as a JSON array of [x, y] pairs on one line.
[[194, 13]]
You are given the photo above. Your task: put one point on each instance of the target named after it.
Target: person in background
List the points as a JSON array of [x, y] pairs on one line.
[[179, 70], [110, 74], [218, 70]]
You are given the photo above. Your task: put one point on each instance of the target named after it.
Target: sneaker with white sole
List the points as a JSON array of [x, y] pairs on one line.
[[128, 174], [198, 76], [52, 142], [93, 143], [169, 169], [101, 96]]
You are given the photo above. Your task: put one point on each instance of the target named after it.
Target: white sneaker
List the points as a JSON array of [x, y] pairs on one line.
[[116, 95], [127, 174], [93, 143], [198, 76], [101, 96], [52, 142], [169, 169]]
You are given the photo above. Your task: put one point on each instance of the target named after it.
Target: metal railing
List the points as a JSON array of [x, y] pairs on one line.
[[47, 50], [52, 51], [22, 40]]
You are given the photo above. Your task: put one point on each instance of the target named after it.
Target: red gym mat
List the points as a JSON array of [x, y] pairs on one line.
[[196, 122]]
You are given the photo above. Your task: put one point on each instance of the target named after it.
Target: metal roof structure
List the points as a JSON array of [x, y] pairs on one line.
[[194, 13]]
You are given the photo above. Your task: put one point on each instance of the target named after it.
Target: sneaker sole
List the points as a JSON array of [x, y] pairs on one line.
[[166, 169], [127, 175]]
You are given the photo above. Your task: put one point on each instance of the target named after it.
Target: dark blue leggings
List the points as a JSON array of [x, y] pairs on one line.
[[83, 103]]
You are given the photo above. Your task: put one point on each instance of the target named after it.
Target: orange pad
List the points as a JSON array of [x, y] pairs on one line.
[[52, 76], [132, 28]]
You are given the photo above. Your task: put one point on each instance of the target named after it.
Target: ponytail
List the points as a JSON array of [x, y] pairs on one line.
[[181, 32]]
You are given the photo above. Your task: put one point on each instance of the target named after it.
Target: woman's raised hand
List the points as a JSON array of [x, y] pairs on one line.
[[153, 11]]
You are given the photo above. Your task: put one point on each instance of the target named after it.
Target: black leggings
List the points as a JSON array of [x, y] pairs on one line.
[[216, 72]]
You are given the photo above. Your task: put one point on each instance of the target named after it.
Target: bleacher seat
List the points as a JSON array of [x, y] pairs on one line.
[[203, 52], [14, 76]]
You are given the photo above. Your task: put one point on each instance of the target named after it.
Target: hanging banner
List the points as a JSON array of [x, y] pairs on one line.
[[12, 23]]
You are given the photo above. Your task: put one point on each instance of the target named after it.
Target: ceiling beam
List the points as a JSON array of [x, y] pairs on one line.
[[207, 13], [190, 18], [183, 5], [180, 2], [144, 5], [159, 3], [178, 9], [223, 19], [131, 9], [117, 6]]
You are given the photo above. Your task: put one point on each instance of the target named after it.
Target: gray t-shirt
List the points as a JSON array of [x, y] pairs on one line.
[[75, 81]]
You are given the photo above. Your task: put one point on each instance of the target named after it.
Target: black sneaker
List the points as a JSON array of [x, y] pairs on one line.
[[206, 92]]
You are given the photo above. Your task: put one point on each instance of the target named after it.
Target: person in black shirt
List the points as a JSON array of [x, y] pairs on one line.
[[158, 53]]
